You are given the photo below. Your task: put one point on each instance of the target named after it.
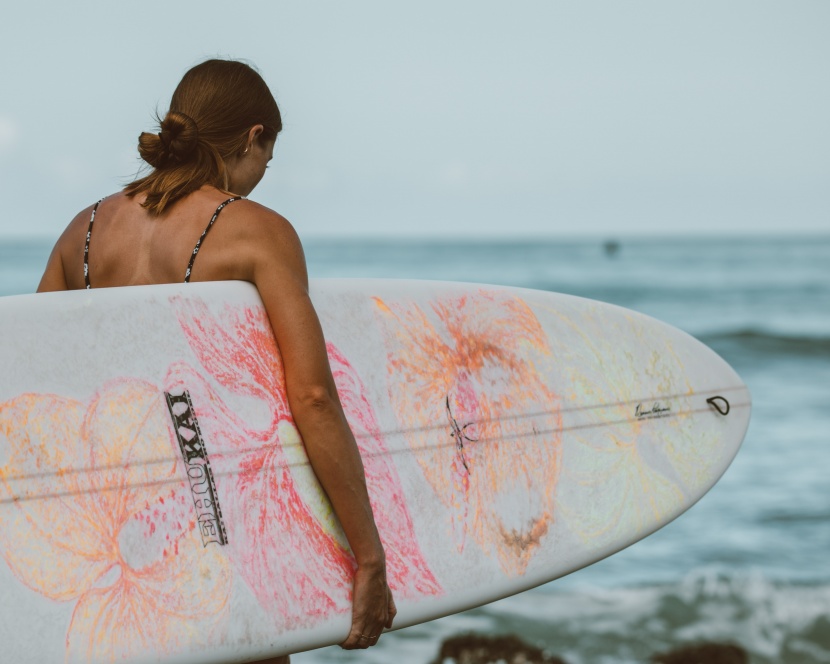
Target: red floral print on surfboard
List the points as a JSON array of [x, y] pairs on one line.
[[283, 538]]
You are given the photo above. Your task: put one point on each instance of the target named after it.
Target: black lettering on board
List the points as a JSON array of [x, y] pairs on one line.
[[197, 465]]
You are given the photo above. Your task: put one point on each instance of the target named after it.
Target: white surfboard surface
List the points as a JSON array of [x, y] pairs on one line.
[[157, 505]]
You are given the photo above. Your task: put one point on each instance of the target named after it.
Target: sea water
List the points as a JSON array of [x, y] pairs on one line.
[[750, 563]]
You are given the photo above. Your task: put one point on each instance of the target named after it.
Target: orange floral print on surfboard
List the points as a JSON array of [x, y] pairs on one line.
[[284, 538], [94, 510], [473, 364]]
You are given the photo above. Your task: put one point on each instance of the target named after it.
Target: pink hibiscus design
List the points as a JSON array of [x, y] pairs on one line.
[[281, 533]]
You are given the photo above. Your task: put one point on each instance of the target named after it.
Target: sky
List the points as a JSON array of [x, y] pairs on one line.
[[463, 119]]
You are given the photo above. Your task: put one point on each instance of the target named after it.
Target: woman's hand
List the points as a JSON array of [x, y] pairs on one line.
[[373, 607]]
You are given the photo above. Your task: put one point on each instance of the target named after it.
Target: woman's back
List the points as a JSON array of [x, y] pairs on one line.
[[129, 246]]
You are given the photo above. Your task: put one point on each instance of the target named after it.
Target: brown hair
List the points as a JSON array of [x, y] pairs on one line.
[[212, 109]]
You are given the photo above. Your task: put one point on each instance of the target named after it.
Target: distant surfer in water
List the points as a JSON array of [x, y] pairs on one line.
[[212, 149]]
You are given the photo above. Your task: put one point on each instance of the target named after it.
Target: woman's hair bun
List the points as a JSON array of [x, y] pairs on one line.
[[173, 145], [212, 112]]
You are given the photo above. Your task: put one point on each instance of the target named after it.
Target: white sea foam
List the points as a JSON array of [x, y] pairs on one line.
[[776, 622]]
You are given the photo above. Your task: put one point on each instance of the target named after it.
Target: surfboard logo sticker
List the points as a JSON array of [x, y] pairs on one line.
[[199, 473]]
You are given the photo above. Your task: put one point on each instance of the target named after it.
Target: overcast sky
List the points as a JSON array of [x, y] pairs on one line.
[[446, 118]]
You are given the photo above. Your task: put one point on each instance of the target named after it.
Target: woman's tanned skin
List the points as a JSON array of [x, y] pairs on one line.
[[249, 242]]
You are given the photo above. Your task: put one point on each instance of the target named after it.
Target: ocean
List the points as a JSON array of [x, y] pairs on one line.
[[750, 563]]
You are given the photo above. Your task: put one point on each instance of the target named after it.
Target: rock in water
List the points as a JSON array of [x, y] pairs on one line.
[[479, 649]]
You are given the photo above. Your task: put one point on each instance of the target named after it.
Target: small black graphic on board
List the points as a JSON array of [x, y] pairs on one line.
[[460, 434]]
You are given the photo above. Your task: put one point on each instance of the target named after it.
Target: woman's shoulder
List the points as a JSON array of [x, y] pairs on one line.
[[85, 216], [260, 218], [255, 239], [66, 260], [79, 226], [258, 224]]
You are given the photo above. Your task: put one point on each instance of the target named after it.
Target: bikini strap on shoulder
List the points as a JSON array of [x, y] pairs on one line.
[[204, 233], [86, 245]]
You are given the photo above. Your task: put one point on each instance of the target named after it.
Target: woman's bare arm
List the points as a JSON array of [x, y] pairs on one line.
[[71, 240], [53, 278], [279, 273]]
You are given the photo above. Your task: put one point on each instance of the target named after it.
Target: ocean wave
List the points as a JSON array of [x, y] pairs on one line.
[[770, 341], [775, 621], [795, 517]]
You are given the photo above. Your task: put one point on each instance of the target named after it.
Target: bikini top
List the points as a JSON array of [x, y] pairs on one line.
[[192, 255]]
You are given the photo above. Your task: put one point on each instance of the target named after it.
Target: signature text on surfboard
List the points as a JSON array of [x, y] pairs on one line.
[[656, 410], [199, 473]]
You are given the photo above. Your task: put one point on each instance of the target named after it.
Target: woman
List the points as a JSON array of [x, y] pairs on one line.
[[212, 150]]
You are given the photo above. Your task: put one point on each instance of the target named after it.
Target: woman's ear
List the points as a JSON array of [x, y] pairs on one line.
[[253, 135]]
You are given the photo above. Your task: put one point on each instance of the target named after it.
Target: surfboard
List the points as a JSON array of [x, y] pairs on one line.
[[157, 505]]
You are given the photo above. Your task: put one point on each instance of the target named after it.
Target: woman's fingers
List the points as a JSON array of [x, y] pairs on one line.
[[366, 631], [373, 609], [391, 608], [359, 641]]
